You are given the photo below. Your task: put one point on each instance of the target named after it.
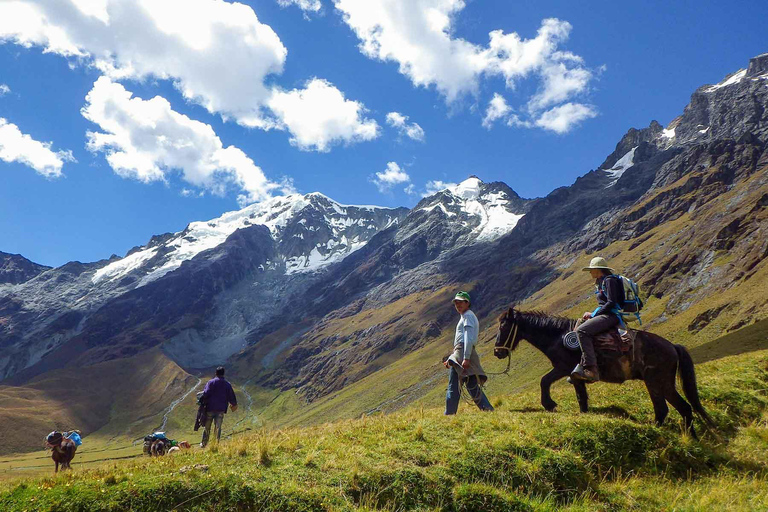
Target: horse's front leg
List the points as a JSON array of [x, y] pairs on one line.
[[57, 466], [581, 395], [546, 382]]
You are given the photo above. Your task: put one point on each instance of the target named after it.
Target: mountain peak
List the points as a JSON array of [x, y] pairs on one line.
[[758, 65], [470, 188]]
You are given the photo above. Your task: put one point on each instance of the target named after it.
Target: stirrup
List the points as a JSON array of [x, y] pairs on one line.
[[585, 375]]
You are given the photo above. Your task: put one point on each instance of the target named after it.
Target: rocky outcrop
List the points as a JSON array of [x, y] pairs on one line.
[[16, 269]]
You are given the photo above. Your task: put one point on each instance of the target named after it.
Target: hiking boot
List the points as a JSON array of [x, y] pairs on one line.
[[587, 374]]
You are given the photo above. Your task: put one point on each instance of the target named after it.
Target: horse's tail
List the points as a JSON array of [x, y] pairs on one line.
[[688, 379]]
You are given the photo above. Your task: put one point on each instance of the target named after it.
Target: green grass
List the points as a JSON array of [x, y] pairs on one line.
[[517, 458]]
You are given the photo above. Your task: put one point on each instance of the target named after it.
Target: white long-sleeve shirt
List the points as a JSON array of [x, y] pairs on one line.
[[467, 331]]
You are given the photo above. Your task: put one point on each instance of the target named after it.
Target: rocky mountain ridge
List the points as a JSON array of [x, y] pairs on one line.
[[687, 203], [118, 305]]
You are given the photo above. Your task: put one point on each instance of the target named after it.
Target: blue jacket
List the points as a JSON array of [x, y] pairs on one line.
[[219, 394]]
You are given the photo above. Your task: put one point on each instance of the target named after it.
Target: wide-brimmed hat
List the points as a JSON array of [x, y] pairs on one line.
[[462, 296], [598, 263]]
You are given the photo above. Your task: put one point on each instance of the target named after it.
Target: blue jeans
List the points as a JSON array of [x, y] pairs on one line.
[[474, 389]]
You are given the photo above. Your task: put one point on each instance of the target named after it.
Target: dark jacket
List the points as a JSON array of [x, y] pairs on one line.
[[610, 295], [218, 395]]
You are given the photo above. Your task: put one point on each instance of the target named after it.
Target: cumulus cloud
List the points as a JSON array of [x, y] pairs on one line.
[[435, 186], [147, 140], [497, 109], [4, 89], [391, 176], [400, 122], [563, 118], [218, 54], [304, 5], [410, 190], [418, 35], [318, 116], [16, 146]]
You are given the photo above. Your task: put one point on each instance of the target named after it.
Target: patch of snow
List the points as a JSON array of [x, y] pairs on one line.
[[705, 130], [361, 206], [500, 222], [124, 266], [467, 189], [668, 133], [618, 169], [733, 79], [316, 260], [438, 205]]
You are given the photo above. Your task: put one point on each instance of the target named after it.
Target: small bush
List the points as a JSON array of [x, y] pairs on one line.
[[563, 473], [402, 489], [477, 497], [491, 467]]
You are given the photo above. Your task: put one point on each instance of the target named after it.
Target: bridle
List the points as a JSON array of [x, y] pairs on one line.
[[510, 339], [507, 346]]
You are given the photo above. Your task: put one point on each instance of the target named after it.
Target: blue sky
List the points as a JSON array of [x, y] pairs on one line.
[[326, 103]]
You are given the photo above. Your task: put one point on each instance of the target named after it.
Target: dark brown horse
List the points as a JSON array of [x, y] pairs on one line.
[[62, 450], [159, 447], [652, 359]]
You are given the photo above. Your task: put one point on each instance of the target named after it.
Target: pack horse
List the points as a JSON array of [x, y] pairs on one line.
[[63, 447], [651, 358]]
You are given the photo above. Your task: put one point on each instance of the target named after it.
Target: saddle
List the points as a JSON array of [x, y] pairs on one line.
[[615, 340]]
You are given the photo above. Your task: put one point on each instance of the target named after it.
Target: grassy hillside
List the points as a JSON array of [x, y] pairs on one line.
[[513, 459], [127, 396]]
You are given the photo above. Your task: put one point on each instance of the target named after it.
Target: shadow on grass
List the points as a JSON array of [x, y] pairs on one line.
[[613, 411], [528, 409]]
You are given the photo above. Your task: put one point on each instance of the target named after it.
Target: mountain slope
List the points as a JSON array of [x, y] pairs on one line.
[[317, 322]]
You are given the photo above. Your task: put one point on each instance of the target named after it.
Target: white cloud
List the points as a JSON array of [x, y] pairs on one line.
[[146, 140], [410, 190], [563, 118], [217, 53], [319, 116], [304, 5], [4, 89], [20, 147], [497, 109], [399, 121], [435, 186], [393, 175], [419, 36]]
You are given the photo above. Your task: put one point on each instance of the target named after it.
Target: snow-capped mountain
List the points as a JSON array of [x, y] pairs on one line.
[[310, 232], [467, 213], [491, 210], [279, 244]]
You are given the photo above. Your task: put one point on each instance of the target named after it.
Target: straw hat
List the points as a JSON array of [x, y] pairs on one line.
[[599, 263]]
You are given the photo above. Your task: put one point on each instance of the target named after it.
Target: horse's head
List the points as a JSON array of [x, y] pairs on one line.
[[507, 338]]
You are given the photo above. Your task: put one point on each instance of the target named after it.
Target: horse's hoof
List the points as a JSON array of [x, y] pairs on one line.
[[550, 407]]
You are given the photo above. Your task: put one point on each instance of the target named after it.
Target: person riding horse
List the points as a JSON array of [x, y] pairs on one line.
[[610, 295]]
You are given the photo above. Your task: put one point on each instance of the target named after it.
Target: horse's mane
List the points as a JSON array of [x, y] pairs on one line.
[[542, 320]]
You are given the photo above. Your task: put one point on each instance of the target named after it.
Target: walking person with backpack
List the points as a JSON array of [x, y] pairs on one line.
[[612, 295], [464, 362], [218, 396]]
